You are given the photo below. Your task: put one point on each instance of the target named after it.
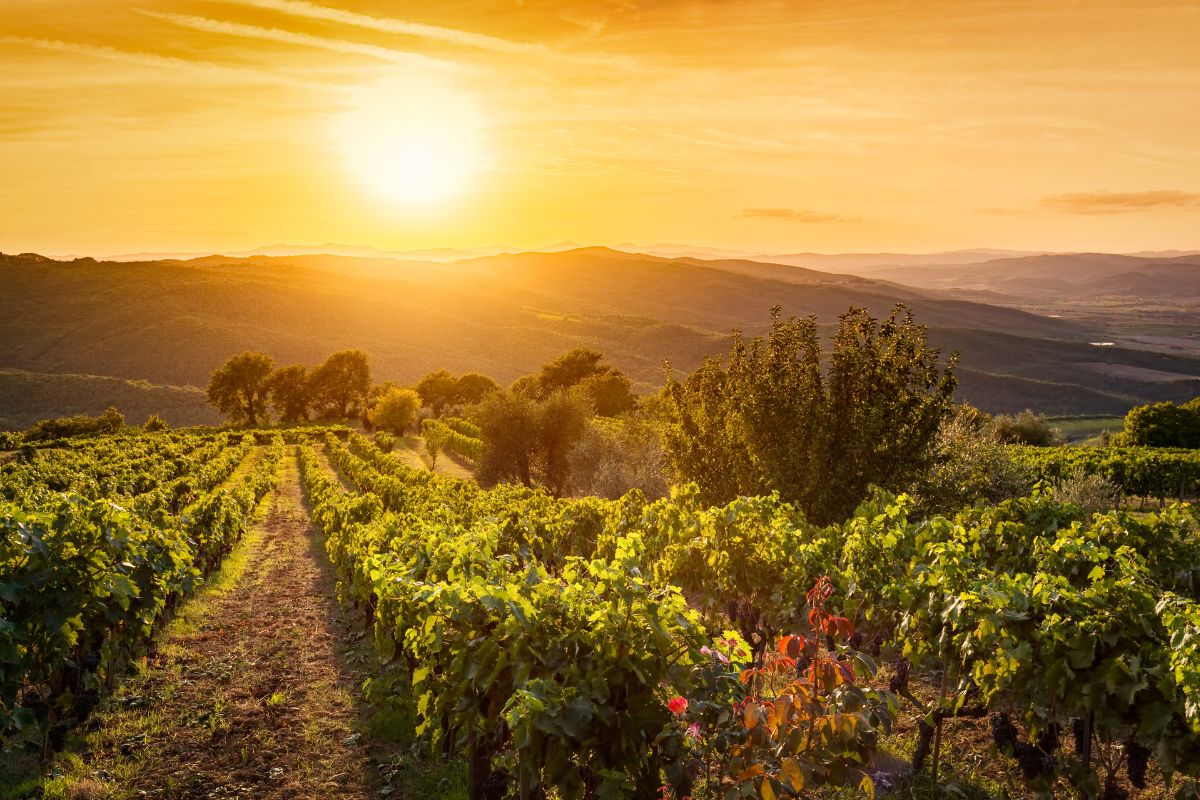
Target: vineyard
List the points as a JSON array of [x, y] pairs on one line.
[[592, 648]]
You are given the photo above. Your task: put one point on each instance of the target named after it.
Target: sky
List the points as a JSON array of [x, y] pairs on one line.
[[766, 125]]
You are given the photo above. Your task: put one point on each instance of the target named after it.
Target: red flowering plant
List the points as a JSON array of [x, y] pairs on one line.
[[808, 715], [706, 726], [803, 716]]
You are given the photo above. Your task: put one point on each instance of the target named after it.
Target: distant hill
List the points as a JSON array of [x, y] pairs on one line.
[[26, 397], [172, 322], [1061, 276]]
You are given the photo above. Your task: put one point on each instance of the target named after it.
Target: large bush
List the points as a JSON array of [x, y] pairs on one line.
[[769, 419]]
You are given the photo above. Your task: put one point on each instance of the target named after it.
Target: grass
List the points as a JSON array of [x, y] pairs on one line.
[[1080, 430]]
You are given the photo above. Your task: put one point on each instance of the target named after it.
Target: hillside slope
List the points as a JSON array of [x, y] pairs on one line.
[[171, 322]]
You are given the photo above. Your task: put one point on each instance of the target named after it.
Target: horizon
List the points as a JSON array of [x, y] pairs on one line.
[[658, 250], [188, 126]]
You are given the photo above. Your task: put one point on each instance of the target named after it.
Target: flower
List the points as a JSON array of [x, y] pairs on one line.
[[678, 705], [693, 731]]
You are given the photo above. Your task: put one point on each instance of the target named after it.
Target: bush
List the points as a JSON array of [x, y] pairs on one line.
[[972, 465], [1090, 492], [110, 421], [1027, 428], [614, 456], [396, 411], [386, 442], [154, 423]]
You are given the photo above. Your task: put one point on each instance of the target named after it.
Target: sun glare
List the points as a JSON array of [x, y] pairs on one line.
[[415, 145]]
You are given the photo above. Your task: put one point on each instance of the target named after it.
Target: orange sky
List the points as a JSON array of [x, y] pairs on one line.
[[181, 125]]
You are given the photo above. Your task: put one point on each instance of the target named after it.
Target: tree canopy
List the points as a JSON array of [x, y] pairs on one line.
[[1164, 425], [340, 385], [240, 386], [291, 393], [395, 411], [769, 419]]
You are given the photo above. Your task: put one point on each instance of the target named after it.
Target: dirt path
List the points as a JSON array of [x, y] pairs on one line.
[[250, 694]]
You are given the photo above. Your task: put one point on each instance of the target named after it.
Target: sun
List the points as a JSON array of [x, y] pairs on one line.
[[414, 144]]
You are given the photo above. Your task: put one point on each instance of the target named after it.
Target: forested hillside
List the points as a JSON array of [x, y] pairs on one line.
[[171, 323]]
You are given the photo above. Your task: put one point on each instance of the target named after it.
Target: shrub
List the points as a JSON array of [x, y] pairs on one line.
[[1090, 492], [154, 423], [1027, 428], [385, 441]]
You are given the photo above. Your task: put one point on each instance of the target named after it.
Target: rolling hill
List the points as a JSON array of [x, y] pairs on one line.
[[171, 322]]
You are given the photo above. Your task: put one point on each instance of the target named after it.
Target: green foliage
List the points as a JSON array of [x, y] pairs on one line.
[[508, 427], [561, 420], [441, 390], [605, 386], [239, 388], [395, 411], [454, 435], [1135, 471], [437, 390], [615, 456], [768, 420], [340, 385], [87, 574], [1163, 425], [291, 393], [385, 441], [155, 424], [108, 422], [1026, 428], [970, 465]]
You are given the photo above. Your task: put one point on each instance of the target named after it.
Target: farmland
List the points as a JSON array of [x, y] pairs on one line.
[[538, 643]]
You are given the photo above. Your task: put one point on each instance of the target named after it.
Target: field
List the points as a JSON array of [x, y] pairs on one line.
[[293, 618], [1083, 429]]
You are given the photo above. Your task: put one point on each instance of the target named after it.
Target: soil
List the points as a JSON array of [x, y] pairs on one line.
[[255, 692]]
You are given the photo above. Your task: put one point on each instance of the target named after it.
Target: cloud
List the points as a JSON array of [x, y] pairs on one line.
[[1120, 202], [496, 44], [791, 215], [303, 39], [153, 60], [300, 8]]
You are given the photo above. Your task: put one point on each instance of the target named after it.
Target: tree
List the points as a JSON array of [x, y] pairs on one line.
[[341, 384], [472, 387], [508, 427], [291, 393], [527, 386], [769, 420], [561, 419], [1163, 425], [569, 369], [396, 411], [239, 388], [438, 390], [609, 391]]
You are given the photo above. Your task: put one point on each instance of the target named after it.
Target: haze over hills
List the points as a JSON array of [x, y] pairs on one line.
[[170, 322]]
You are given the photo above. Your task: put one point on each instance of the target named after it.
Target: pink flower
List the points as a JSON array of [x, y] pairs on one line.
[[678, 705], [693, 731]]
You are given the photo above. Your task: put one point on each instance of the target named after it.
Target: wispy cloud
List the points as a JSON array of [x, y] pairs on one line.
[[455, 36], [153, 60], [302, 39], [1091, 203], [300, 8], [792, 215]]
